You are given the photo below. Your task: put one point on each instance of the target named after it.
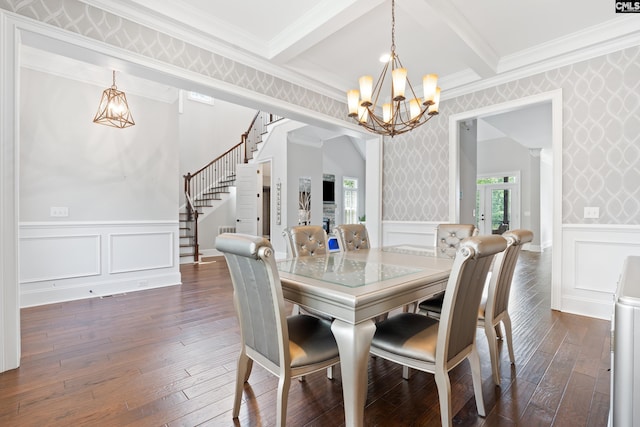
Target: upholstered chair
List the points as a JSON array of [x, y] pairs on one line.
[[286, 347], [494, 307], [449, 236], [307, 240], [420, 342], [352, 237], [304, 240]]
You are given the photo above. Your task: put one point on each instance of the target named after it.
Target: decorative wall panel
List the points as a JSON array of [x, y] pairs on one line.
[[601, 143], [130, 252], [47, 257]]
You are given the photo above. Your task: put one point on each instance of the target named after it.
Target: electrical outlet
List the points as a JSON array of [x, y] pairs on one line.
[[592, 212], [59, 211]]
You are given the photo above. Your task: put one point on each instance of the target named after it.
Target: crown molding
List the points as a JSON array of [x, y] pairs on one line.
[[583, 54], [72, 69], [207, 41]]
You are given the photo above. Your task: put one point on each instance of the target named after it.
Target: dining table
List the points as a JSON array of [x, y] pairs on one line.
[[354, 288]]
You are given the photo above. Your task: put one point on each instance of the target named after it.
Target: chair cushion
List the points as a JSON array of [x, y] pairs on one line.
[[433, 304], [409, 335], [310, 340]]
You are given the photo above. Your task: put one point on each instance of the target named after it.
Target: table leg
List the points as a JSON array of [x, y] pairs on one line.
[[354, 342]]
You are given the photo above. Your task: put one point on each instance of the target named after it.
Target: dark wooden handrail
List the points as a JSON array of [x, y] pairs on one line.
[[213, 178]]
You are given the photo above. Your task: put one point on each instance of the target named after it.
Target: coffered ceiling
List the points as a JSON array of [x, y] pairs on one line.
[[330, 43]]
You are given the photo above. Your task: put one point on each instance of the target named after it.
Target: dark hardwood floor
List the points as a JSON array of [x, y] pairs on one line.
[[167, 357]]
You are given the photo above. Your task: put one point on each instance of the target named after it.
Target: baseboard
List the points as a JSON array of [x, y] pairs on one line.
[[96, 289]]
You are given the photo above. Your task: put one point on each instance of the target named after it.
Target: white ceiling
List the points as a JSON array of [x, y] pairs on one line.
[[528, 126], [330, 43]]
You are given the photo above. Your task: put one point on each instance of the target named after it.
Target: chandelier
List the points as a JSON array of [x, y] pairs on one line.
[[402, 110], [113, 109]]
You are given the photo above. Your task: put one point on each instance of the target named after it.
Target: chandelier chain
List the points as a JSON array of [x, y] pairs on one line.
[[393, 27]]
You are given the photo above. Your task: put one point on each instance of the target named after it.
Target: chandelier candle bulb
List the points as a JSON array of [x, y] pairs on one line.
[[353, 98], [386, 113], [414, 108], [429, 84], [399, 76], [433, 109], [363, 114], [366, 89]]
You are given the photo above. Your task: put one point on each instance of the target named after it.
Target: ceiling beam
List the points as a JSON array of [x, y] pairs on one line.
[[477, 53], [317, 24]]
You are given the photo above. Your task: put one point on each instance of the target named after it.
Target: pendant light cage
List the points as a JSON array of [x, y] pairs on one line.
[[113, 109]]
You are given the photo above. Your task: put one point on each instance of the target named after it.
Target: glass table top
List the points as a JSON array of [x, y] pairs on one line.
[[336, 269]]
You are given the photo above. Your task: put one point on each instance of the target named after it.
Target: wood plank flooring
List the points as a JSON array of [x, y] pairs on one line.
[[166, 357]]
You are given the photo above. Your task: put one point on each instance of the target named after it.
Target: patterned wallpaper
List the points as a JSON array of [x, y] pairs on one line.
[[97, 24], [601, 144], [601, 96]]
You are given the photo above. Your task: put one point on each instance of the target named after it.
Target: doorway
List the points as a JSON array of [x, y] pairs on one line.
[[555, 202], [497, 204]]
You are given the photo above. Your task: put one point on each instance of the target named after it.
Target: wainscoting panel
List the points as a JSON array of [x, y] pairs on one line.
[[140, 251], [62, 261], [592, 258], [47, 257], [408, 232]]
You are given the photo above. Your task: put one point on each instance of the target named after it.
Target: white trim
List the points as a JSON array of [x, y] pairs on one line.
[[373, 188], [9, 195], [555, 97]]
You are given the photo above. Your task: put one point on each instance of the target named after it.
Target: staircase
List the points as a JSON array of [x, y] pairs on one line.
[[210, 183]]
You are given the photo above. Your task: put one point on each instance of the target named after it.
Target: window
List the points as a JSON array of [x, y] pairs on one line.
[[350, 192]]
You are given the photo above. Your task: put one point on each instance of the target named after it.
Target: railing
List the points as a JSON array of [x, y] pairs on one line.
[[211, 180]]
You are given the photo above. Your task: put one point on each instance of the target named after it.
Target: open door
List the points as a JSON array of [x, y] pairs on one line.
[[249, 180]]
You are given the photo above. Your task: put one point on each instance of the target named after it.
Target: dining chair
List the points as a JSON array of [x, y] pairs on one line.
[[449, 236], [352, 237], [287, 347], [494, 307], [447, 242], [307, 240], [421, 342], [303, 240]]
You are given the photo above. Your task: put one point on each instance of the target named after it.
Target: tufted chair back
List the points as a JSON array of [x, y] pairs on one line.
[[449, 236], [352, 237], [304, 240]]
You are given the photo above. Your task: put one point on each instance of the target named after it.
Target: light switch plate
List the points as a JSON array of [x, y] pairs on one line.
[[592, 212]]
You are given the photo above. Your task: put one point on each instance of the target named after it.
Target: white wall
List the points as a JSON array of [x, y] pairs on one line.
[[468, 170], [98, 172], [341, 159], [546, 198], [304, 161], [118, 185], [207, 131]]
